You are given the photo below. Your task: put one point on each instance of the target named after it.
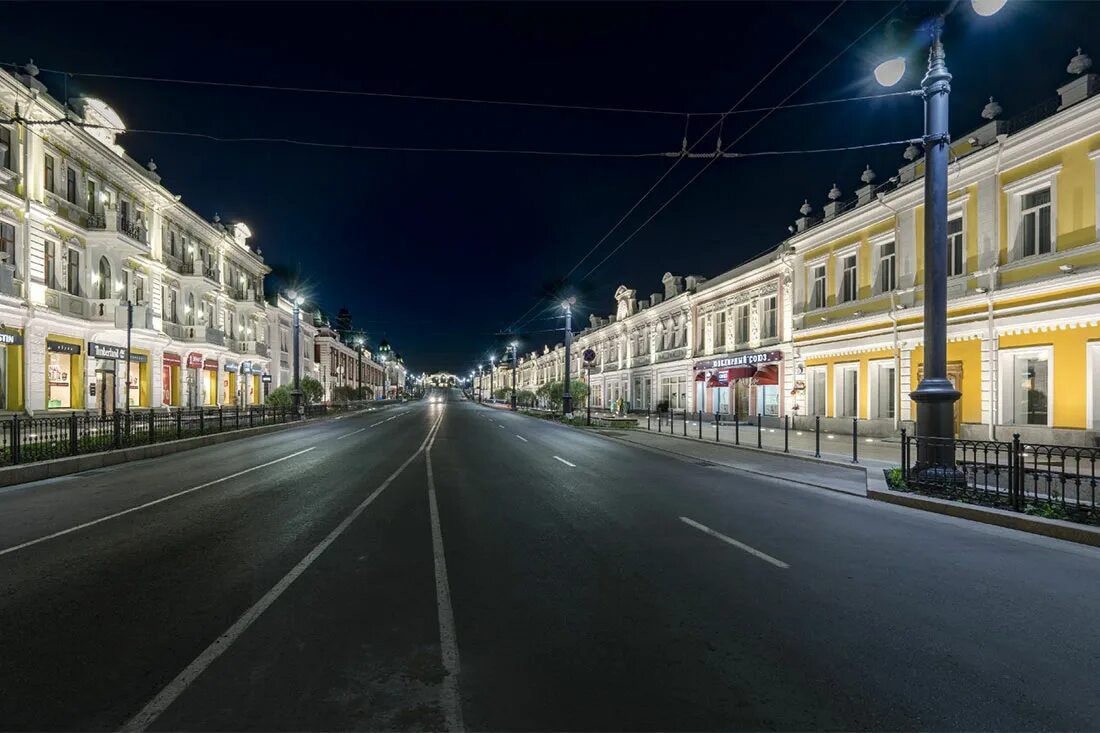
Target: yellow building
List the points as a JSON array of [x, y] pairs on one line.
[[1023, 290]]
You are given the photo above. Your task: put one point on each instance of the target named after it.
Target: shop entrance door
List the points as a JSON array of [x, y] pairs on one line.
[[105, 390]]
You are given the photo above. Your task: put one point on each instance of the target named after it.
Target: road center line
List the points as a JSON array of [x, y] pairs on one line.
[[448, 638], [152, 710], [571, 465], [378, 423], [522, 438], [739, 545], [500, 426], [353, 432], [148, 504]]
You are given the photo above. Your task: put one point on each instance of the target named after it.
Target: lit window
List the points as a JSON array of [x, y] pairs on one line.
[[956, 249], [1035, 220], [769, 326], [887, 268], [817, 286], [848, 283]]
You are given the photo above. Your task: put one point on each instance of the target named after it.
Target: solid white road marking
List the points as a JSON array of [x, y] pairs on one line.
[[739, 545], [152, 710], [377, 424], [571, 465], [148, 504], [522, 438], [353, 432], [448, 638]]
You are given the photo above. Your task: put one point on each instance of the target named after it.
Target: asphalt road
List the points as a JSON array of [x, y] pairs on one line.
[[447, 566]]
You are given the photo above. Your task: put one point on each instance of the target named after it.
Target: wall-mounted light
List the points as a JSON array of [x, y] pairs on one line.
[[1067, 268]]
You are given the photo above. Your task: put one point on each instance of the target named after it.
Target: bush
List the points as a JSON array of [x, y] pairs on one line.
[[312, 391], [280, 397]]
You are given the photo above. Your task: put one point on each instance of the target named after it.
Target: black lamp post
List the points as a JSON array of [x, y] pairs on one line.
[[129, 328], [566, 397], [513, 347], [359, 367], [296, 393], [492, 374]]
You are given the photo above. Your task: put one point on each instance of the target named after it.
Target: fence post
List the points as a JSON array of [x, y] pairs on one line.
[[202, 421], [700, 424], [74, 444], [152, 427], [647, 427], [716, 439], [759, 430], [237, 417], [786, 434], [685, 423], [252, 412], [117, 429], [221, 419], [15, 447], [736, 428], [817, 436], [179, 424], [905, 457], [1016, 473], [855, 440], [658, 419]]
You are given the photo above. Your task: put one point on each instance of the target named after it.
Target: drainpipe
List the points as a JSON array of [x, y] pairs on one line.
[[881, 198]]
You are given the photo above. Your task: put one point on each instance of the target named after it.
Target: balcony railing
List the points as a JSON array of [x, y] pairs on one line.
[[203, 334], [199, 269], [132, 229], [246, 296]]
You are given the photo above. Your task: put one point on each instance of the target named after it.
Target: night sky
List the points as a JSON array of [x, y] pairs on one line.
[[437, 252]]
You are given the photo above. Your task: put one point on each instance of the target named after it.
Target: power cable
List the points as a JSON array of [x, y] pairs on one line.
[[742, 136]]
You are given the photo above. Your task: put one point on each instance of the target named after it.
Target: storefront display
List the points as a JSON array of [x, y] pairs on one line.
[[63, 364], [170, 378]]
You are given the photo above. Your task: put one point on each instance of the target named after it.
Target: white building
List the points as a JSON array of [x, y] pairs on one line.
[[85, 229]]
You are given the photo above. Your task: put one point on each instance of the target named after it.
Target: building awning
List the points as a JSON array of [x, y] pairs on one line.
[[713, 381], [742, 372], [700, 377], [767, 374]]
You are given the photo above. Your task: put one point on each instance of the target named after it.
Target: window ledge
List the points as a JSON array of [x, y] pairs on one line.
[[1029, 260]]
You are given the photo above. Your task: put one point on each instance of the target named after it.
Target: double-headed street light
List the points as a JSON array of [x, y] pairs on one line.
[[935, 395]]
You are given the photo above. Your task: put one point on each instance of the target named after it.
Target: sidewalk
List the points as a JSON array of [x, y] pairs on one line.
[[827, 473]]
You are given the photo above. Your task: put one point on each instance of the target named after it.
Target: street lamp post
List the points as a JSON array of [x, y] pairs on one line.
[[566, 398], [492, 374], [296, 394], [935, 395], [359, 368], [385, 378], [513, 346], [129, 328], [479, 383]]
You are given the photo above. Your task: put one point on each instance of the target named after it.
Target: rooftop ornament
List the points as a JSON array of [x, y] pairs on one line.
[[912, 152], [834, 193], [806, 209], [992, 110], [1080, 63], [868, 175]]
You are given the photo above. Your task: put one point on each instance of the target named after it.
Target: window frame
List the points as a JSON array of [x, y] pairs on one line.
[[811, 390], [874, 368], [720, 328], [769, 317], [961, 246], [1006, 366], [812, 290], [1015, 192], [842, 256], [880, 244], [838, 387]]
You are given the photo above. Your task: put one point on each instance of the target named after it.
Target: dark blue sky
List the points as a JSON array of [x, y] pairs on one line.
[[438, 251]]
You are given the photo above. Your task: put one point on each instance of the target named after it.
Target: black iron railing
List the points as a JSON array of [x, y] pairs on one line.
[[1058, 481], [26, 439]]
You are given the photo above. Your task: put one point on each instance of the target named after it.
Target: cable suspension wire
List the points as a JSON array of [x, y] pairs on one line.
[[431, 98], [742, 136]]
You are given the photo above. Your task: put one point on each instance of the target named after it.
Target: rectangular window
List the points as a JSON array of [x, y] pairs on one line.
[[956, 252], [817, 286], [50, 183], [74, 272], [816, 384], [70, 184], [742, 331], [769, 326], [5, 153], [720, 329], [7, 242], [51, 263], [848, 282], [59, 380], [139, 289], [1035, 218], [847, 390], [172, 243], [884, 391], [124, 214], [887, 268], [91, 196], [1027, 389]]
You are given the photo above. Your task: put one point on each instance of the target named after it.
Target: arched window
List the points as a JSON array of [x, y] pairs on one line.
[[190, 309], [104, 278]]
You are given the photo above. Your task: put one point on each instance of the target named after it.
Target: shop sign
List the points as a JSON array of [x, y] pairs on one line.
[[110, 351], [194, 360], [170, 359], [748, 358], [230, 366], [210, 365], [62, 347], [246, 367], [266, 379], [8, 338]]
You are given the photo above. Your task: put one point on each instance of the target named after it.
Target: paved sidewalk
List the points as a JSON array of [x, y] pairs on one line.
[[825, 473]]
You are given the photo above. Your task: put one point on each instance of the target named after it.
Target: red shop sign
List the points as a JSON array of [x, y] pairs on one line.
[[194, 360], [170, 359], [211, 365]]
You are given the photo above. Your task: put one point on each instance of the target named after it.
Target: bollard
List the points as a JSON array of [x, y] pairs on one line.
[[658, 419], [817, 436], [855, 440], [179, 424], [647, 427], [685, 423], [221, 419], [716, 440], [786, 434], [700, 424], [904, 458], [759, 431], [736, 428]]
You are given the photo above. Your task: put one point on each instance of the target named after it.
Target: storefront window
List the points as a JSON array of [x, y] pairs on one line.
[[59, 380], [816, 383], [847, 392], [135, 384], [1029, 387], [884, 389]]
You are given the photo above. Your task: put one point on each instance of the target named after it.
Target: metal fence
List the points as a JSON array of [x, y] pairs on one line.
[[777, 429], [28, 439], [1056, 480]]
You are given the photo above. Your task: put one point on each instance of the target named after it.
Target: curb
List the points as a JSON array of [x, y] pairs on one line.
[[1080, 533]]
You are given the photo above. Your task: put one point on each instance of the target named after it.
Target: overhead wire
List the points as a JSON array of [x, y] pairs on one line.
[[742, 136]]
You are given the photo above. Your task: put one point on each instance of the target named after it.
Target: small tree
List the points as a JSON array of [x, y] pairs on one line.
[[577, 390], [279, 397], [312, 390], [525, 398], [503, 393]]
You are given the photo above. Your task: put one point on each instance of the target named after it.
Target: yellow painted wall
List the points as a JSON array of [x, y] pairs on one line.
[[863, 360], [1069, 375], [969, 353], [15, 376]]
